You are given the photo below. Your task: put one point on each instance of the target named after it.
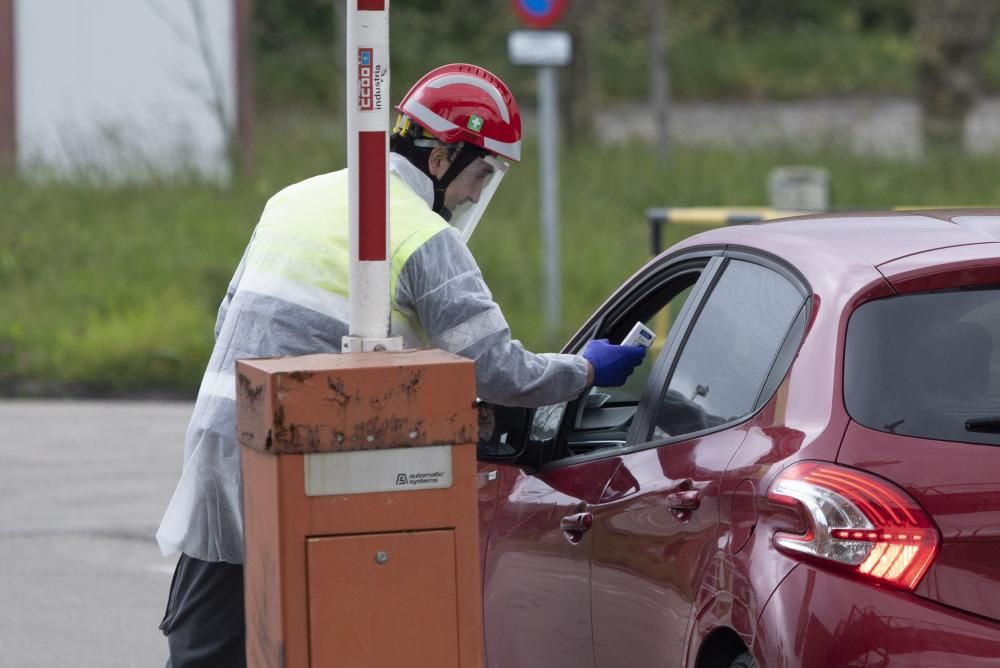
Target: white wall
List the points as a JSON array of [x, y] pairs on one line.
[[121, 89]]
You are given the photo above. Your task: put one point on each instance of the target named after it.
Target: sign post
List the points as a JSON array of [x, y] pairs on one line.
[[546, 50]]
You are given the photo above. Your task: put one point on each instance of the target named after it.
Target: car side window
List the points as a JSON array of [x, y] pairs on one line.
[[729, 352], [602, 419]]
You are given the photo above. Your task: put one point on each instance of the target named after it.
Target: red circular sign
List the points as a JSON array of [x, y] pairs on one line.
[[539, 13]]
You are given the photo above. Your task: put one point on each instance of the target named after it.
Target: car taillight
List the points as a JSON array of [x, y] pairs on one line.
[[858, 521]]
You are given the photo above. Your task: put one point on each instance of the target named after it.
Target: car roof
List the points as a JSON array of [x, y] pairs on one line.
[[874, 238]]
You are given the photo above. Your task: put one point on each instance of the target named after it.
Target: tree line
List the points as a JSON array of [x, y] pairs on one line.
[[626, 47]]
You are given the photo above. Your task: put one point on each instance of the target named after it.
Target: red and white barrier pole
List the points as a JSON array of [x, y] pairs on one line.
[[368, 169]]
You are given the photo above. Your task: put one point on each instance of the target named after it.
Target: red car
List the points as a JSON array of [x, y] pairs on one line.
[[804, 471]]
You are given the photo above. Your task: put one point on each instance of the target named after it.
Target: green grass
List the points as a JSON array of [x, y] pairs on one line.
[[605, 193], [114, 290]]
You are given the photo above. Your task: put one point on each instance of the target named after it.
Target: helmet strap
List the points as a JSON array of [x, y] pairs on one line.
[[461, 157], [438, 207]]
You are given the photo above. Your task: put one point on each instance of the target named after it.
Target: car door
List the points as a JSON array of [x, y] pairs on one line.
[[655, 530], [536, 583]]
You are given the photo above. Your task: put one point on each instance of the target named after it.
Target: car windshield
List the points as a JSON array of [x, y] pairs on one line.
[[927, 365]]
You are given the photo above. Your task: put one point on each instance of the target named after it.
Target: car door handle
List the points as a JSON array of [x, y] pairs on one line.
[[573, 526], [687, 500], [484, 478], [578, 522]]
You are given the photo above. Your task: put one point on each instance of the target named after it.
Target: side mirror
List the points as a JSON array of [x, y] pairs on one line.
[[503, 432]]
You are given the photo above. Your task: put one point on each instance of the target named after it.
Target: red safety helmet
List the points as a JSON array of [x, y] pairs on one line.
[[465, 103]]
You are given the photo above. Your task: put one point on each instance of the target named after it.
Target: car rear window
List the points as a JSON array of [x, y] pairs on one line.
[[927, 365]]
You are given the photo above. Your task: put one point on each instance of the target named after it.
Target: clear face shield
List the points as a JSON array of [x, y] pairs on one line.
[[471, 192]]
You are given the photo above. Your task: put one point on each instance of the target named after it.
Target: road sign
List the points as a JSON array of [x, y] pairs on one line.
[[539, 13], [541, 48]]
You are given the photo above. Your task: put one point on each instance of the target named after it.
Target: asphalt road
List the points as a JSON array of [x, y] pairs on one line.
[[82, 488]]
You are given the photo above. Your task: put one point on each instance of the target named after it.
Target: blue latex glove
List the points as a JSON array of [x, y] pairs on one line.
[[612, 364]]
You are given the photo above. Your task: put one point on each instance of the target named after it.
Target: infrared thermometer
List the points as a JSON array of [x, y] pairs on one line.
[[639, 336]]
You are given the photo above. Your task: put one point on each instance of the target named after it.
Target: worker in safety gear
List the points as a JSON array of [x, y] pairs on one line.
[[458, 129]]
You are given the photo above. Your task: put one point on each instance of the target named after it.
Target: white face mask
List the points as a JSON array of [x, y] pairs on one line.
[[482, 177]]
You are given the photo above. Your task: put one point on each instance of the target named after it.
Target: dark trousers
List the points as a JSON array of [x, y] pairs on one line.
[[204, 618]]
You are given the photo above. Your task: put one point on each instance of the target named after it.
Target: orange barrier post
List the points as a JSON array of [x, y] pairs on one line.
[[359, 492]]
